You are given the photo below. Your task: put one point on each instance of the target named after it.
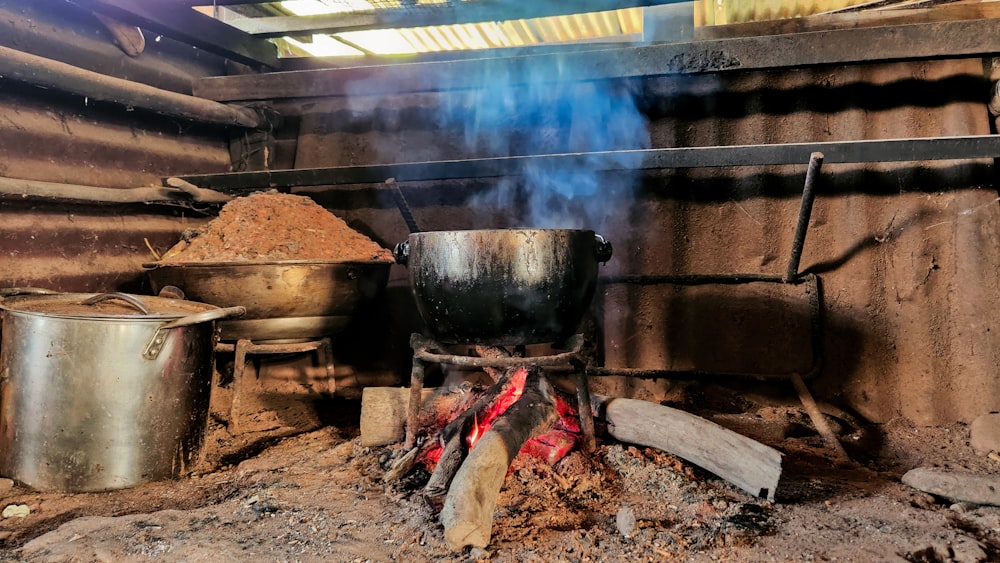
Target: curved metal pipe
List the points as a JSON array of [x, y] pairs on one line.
[[48, 73]]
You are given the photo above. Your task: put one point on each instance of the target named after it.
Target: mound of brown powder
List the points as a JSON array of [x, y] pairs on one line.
[[269, 226]]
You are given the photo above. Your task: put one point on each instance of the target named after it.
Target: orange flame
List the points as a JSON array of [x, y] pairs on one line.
[[500, 406], [550, 447]]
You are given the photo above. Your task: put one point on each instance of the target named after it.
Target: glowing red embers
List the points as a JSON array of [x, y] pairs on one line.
[[500, 406], [550, 447]]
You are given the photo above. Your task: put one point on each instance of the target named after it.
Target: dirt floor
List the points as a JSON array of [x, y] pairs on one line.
[[318, 496]]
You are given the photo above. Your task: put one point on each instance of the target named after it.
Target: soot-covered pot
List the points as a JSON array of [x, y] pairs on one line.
[[503, 286]]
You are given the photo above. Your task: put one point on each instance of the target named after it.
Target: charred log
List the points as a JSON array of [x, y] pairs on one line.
[[384, 411], [746, 463], [497, 398], [467, 514]]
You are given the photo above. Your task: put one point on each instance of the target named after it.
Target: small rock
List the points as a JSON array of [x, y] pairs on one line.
[[16, 511], [625, 521], [6, 485], [962, 507], [478, 554], [984, 433]]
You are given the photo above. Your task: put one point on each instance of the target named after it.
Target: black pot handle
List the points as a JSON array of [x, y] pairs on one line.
[[402, 253], [602, 248]]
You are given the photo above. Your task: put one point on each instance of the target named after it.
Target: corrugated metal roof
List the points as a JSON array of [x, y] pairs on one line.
[[719, 12], [491, 35], [614, 25]]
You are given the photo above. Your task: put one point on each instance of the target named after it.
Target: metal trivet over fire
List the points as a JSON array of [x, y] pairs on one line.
[[426, 350]]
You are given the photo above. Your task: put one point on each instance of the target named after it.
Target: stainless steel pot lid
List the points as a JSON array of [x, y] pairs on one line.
[[112, 305]]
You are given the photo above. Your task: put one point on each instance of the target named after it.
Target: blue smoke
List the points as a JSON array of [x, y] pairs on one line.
[[527, 109]]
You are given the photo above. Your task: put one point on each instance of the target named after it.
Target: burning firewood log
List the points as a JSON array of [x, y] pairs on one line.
[[462, 432], [534, 416], [467, 515]]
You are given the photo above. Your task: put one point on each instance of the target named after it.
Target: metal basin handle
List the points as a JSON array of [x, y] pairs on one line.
[[155, 344]]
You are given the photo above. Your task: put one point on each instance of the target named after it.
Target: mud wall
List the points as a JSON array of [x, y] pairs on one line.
[[905, 254]]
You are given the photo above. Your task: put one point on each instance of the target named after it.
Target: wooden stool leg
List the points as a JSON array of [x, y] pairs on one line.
[[583, 405], [240, 386], [324, 353], [413, 407]]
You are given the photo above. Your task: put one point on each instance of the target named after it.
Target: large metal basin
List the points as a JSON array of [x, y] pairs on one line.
[[503, 286], [285, 300]]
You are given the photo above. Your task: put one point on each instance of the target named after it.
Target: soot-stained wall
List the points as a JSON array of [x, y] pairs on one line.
[[905, 254], [48, 136]]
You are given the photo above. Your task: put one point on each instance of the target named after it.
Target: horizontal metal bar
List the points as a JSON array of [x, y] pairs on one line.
[[841, 46], [689, 279], [883, 150]]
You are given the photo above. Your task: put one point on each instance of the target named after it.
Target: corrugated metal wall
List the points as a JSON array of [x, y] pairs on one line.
[[907, 255], [48, 136]]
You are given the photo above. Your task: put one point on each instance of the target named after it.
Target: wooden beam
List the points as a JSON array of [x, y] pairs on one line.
[[192, 27], [447, 14], [906, 42], [744, 462], [825, 22], [21, 189]]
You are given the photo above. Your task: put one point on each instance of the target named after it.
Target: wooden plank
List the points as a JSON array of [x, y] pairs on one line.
[[825, 22], [906, 42], [446, 14], [192, 27], [383, 414]]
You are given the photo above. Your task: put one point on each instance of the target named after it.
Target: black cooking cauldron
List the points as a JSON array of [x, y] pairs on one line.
[[503, 287]]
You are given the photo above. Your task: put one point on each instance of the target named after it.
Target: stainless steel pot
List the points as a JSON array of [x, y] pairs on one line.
[[104, 391], [285, 300], [503, 286]]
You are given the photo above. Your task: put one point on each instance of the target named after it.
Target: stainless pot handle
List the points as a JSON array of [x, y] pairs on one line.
[[205, 316], [130, 299], [155, 344]]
